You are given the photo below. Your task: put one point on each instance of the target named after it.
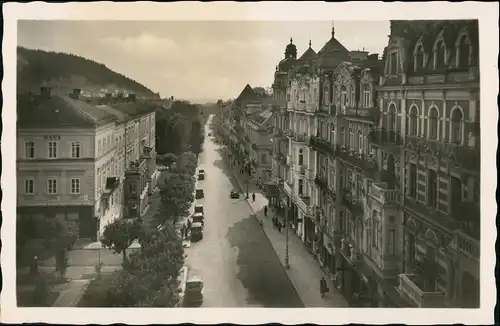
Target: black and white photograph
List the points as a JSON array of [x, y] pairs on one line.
[[232, 161]]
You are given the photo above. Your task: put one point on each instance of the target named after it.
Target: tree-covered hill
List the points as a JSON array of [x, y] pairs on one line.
[[66, 71]]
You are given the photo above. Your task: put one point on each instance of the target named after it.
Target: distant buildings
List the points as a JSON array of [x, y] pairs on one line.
[[376, 162], [83, 162]]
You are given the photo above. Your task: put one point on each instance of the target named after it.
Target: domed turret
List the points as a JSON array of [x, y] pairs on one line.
[[291, 50]]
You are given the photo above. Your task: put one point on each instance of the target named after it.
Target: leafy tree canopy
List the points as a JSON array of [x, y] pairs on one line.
[[120, 234]]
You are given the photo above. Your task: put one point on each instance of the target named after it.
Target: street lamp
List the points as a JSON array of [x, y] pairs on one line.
[[287, 258]]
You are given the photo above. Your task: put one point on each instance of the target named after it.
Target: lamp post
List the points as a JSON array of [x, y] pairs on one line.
[[287, 258]]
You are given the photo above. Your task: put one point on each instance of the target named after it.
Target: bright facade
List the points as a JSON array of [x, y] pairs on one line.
[[72, 162]]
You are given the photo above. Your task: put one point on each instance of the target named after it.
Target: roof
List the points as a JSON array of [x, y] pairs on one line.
[[195, 279], [197, 225], [59, 111], [121, 117], [333, 45], [331, 54], [310, 54], [261, 117], [134, 109], [286, 64], [246, 93]]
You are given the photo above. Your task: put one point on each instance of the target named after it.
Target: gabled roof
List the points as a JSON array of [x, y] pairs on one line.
[[59, 111], [246, 93], [333, 45], [262, 117], [310, 54]]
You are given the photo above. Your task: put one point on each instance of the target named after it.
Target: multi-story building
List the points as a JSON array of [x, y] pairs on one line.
[[429, 96], [71, 160], [258, 129], [385, 192]]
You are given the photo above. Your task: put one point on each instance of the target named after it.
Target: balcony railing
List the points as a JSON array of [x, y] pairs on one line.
[[299, 137], [354, 205], [321, 182], [135, 167], [365, 162], [385, 138], [321, 145], [409, 287], [147, 152], [304, 202], [287, 186], [302, 170], [466, 245], [383, 194]]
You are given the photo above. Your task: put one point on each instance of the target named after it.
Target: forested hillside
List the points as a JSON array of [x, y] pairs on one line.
[[67, 71]]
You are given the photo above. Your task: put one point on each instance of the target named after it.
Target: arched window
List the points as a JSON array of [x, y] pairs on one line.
[[440, 55], [360, 141], [433, 123], [366, 96], [301, 157], [413, 121], [353, 95], [326, 96], [351, 139], [391, 118], [463, 52], [419, 58], [343, 96], [456, 126]]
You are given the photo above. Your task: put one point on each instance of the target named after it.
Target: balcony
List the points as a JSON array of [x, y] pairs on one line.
[[466, 245], [386, 139], [136, 167], [321, 182], [321, 145], [301, 106], [411, 286], [147, 152], [299, 137], [288, 133], [302, 170], [362, 161], [287, 186], [352, 204], [304, 203], [309, 174], [464, 156], [384, 195], [311, 107]]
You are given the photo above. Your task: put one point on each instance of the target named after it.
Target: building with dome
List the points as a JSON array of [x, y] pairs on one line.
[[376, 164]]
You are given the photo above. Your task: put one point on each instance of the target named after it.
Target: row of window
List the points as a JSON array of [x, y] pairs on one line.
[[52, 149], [52, 186]]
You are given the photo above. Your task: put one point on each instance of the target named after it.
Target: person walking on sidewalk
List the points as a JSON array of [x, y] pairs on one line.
[[253, 196], [265, 211], [323, 288], [279, 226]]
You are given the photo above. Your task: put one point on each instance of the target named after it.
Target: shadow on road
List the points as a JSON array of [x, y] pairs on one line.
[[260, 269]]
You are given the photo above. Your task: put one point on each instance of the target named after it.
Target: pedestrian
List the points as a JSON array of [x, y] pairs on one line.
[[253, 196], [323, 288], [279, 227], [265, 211], [183, 231]]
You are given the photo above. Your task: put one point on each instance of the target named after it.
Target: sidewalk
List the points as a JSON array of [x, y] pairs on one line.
[[304, 272]]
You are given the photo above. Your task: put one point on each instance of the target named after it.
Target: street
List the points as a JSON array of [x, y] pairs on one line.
[[235, 258]]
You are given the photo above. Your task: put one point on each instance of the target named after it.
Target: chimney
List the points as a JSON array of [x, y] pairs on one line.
[[45, 92], [76, 93], [131, 97]]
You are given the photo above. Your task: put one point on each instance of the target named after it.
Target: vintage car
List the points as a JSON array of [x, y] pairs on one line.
[[201, 174], [199, 194], [196, 232], [199, 209], [194, 292], [198, 218], [234, 194]]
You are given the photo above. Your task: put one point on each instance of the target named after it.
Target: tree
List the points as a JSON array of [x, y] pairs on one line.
[[120, 234], [167, 159], [197, 136], [187, 163], [150, 277], [177, 196]]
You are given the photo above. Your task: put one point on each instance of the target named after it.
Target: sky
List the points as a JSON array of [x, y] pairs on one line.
[[196, 60]]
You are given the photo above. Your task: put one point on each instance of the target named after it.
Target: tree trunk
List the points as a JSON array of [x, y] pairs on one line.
[[124, 255]]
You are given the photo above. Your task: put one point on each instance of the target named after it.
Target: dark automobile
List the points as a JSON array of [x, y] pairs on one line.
[[196, 232], [199, 194], [234, 194], [194, 292], [198, 218]]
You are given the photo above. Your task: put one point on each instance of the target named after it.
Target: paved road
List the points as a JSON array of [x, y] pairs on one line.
[[235, 258]]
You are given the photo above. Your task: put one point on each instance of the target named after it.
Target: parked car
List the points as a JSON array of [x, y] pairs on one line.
[[194, 292], [199, 194], [199, 209], [234, 194], [196, 232], [201, 174], [198, 218]]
